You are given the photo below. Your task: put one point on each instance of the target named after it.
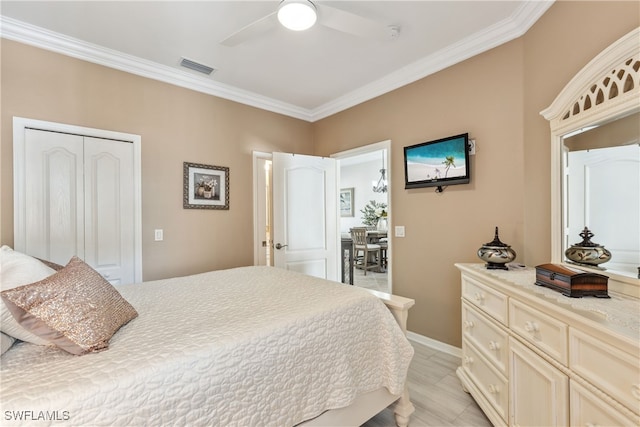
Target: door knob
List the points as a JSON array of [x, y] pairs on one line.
[[279, 246]]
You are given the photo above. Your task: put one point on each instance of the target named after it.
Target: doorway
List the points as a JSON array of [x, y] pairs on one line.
[[361, 173], [295, 213], [371, 159], [263, 209]]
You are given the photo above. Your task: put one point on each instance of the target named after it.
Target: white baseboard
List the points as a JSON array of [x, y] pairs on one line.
[[434, 344]]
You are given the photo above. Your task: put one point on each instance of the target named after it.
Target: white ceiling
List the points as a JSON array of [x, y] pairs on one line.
[[308, 75]]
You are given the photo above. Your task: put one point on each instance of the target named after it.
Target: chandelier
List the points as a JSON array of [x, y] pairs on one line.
[[381, 185]]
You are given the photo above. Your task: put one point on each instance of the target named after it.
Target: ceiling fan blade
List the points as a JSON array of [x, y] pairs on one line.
[[351, 23], [253, 30]]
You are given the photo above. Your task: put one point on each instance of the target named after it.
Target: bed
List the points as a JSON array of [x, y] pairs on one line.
[[244, 346]]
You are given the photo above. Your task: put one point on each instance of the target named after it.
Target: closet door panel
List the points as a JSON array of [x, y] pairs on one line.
[[54, 196], [109, 208]]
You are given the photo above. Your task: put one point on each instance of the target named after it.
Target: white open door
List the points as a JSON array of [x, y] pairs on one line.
[[599, 179], [305, 214]]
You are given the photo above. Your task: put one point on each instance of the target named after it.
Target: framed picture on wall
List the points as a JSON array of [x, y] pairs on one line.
[[205, 186], [346, 202]]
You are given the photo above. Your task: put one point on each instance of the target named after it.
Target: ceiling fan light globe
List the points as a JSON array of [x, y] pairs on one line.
[[297, 15]]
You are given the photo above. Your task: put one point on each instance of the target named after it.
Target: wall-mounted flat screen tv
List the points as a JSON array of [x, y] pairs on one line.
[[437, 163]]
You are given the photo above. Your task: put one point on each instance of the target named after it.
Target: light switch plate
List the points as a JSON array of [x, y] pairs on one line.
[[399, 230], [159, 235]]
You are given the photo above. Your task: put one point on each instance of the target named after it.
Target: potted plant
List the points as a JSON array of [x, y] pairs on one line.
[[373, 212]]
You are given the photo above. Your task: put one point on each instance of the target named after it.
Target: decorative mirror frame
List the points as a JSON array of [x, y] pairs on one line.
[[607, 88]]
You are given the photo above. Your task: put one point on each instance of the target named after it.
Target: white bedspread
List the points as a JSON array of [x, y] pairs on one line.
[[248, 346]]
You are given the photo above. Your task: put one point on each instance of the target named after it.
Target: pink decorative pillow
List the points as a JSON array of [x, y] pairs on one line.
[[75, 308]]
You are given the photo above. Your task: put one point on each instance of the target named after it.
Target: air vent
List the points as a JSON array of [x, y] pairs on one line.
[[192, 65]]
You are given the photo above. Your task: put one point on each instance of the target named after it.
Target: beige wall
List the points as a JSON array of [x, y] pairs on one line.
[[482, 96], [176, 125], [496, 97]]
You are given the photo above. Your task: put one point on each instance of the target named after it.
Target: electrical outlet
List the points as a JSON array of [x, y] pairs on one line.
[[159, 235], [399, 230]]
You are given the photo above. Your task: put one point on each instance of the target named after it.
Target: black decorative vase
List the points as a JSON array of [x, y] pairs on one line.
[[587, 252], [496, 254]]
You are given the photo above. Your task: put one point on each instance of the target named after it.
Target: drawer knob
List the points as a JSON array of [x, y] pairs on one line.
[[531, 326], [635, 391], [468, 324], [468, 360], [494, 389], [494, 345], [479, 297]]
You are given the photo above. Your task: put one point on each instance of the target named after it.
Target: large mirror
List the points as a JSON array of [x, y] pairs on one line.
[[595, 127], [601, 187]]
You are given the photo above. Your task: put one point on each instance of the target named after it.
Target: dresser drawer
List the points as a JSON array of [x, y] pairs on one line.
[[488, 337], [492, 385], [541, 330], [589, 410], [486, 299], [615, 372]]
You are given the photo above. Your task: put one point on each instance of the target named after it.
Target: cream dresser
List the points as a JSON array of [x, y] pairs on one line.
[[531, 356]]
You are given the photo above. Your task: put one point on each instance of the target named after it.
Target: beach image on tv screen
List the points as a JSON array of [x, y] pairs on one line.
[[437, 161]]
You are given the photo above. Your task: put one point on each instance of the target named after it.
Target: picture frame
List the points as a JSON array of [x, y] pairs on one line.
[[346, 202], [205, 186]]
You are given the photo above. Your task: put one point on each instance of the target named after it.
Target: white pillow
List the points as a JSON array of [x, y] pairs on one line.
[[17, 269], [5, 343]]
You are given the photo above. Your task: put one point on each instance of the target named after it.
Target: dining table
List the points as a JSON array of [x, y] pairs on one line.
[[374, 236]]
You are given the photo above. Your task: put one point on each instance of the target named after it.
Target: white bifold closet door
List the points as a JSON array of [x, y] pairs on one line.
[[79, 200]]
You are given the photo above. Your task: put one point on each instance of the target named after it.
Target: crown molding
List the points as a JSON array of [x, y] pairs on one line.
[[502, 32], [39, 37]]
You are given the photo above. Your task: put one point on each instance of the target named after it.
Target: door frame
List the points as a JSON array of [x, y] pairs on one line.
[[376, 146], [259, 196], [19, 126]]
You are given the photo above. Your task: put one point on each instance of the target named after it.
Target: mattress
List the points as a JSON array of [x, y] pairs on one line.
[[241, 347]]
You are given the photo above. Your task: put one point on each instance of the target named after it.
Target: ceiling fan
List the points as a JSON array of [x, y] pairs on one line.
[[327, 16]]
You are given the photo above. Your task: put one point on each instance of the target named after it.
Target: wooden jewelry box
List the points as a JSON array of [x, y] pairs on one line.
[[570, 282]]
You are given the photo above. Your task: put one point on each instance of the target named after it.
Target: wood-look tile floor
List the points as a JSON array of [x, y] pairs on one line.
[[373, 280], [436, 393]]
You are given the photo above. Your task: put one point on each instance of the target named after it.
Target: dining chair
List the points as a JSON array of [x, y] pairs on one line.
[[360, 245], [384, 249]]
